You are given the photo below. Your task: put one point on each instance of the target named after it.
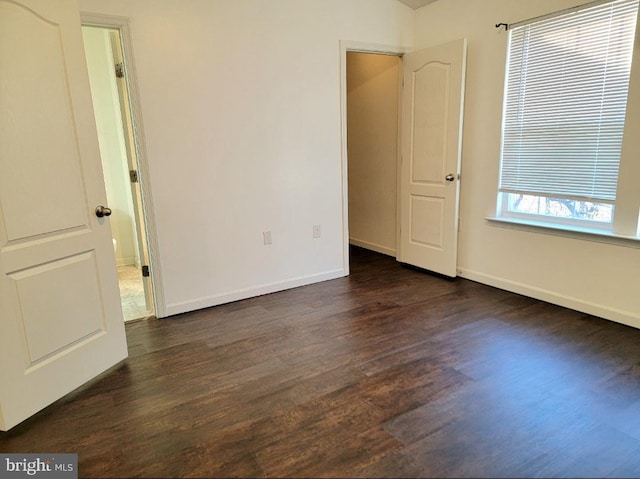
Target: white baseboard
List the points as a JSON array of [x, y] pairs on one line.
[[236, 295], [373, 247], [625, 317], [126, 261]]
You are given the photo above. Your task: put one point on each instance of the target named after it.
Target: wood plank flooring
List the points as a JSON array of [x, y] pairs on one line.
[[390, 372]]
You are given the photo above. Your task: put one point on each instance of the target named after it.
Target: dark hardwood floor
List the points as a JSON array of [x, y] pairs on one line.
[[390, 372]]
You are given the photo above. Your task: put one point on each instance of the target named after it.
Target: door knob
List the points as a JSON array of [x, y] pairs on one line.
[[450, 177], [102, 211]]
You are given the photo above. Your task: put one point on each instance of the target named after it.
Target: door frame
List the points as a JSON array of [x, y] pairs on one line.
[[363, 47], [122, 25]]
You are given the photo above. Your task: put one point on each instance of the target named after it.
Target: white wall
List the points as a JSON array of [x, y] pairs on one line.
[[110, 135], [241, 108], [372, 127], [599, 278]]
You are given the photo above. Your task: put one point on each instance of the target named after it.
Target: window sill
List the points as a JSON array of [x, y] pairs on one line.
[[600, 236]]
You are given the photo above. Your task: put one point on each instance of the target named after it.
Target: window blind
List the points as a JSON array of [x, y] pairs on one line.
[[565, 102]]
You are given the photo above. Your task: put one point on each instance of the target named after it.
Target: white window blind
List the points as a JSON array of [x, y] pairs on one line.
[[565, 104]]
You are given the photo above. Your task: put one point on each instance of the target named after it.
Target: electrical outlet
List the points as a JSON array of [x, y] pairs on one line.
[[317, 232], [266, 236]]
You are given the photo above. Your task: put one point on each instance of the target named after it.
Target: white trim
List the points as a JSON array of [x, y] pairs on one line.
[[588, 234], [373, 247], [122, 24], [619, 316], [364, 47], [251, 292]]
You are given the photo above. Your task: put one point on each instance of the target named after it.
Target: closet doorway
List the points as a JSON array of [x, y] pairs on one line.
[[373, 82]]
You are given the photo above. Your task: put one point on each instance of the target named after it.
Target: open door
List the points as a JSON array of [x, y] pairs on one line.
[[60, 318], [431, 137]]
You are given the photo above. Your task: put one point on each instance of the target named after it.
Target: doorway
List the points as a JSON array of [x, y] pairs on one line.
[[429, 139], [372, 105], [118, 151]]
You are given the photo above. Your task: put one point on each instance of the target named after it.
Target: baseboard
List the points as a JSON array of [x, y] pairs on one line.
[[239, 294], [625, 317], [126, 261], [373, 247]]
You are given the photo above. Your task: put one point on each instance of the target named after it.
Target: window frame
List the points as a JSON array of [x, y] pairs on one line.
[[572, 225], [505, 212]]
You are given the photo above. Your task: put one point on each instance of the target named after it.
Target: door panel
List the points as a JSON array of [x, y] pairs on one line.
[[43, 78], [425, 213], [432, 105], [428, 158], [60, 318], [55, 316]]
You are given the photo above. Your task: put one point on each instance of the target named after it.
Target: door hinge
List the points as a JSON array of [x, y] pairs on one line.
[[145, 271], [120, 70], [133, 175]]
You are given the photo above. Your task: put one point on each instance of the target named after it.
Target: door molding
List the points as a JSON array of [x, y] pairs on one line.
[[360, 47], [144, 175]]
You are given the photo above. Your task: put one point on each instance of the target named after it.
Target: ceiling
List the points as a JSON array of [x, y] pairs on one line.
[[415, 4]]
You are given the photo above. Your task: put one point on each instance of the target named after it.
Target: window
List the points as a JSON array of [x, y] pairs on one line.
[[564, 113]]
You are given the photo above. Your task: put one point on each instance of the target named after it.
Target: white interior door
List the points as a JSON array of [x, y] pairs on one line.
[[431, 129], [60, 318]]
